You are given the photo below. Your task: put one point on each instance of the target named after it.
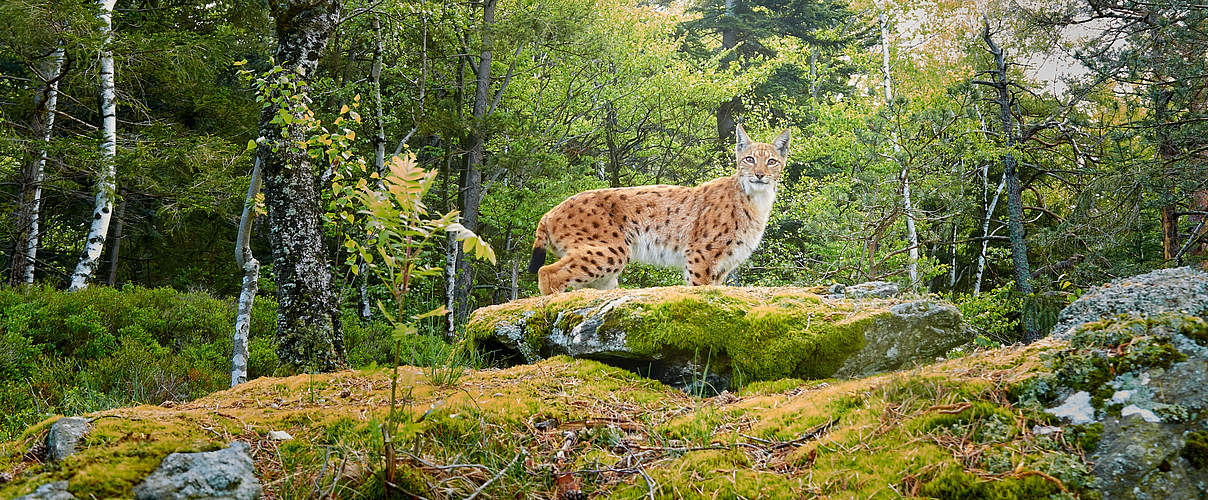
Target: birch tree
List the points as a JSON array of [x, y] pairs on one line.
[[307, 334], [25, 252], [912, 237], [251, 280], [106, 183]]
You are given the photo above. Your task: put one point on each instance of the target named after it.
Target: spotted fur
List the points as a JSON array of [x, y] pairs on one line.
[[708, 230]]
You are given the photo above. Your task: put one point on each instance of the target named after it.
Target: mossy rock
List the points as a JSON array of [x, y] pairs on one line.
[[689, 336]]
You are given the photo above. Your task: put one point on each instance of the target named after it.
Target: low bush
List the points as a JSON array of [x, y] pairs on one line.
[[101, 348]]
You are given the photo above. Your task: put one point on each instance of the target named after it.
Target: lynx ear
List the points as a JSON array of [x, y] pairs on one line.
[[741, 138], [781, 143]]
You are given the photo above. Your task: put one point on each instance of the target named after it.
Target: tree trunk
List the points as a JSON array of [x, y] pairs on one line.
[[251, 280], [1166, 153], [308, 334], [912, 237], [25, 252], [107, 178], [1019, 244], [727, 110], [985, 243], [1199, 222], [471, 178], [115, 251], [610, 138], [379, 147]]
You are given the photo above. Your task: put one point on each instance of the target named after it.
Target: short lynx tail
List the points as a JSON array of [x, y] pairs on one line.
[[538, 258]]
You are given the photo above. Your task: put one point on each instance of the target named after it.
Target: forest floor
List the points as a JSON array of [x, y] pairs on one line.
[[565, 428]]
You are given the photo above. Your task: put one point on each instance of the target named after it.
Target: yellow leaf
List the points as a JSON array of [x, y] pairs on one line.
[[344, 109], [440, 311]]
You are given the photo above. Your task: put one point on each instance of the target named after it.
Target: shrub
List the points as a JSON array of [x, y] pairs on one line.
[[994, 314], [101, 348]]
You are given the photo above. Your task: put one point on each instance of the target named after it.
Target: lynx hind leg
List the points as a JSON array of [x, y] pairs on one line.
[[577, 269], [608, 282]]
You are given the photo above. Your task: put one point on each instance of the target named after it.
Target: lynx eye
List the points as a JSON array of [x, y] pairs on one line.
[[772, 162], [749, 159]]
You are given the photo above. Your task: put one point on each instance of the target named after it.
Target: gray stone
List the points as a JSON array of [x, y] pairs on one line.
[[1076, 408], [1147, 419], [225, 474], [878, 289], [65, 435], [1182, 289], [50, 491], [913, 332]]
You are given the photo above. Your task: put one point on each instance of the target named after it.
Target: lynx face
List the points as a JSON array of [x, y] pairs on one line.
[[708, 230], [760, 165]]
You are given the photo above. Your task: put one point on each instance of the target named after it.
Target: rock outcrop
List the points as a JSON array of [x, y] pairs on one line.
[[689, 336], [64, 436], [1137, 383], [1183, 289], [227, 473]]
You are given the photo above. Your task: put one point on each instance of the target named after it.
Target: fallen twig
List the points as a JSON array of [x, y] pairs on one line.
[[496, 477]]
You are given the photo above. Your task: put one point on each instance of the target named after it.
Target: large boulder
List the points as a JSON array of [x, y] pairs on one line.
[[1136, 385], [227, 473], [688, 336], [1182, 289]]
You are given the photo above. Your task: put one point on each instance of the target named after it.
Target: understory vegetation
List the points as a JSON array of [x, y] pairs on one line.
[[946, 431], [103, 348]]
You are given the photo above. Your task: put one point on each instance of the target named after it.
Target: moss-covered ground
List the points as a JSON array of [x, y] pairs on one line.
[[563, 425]]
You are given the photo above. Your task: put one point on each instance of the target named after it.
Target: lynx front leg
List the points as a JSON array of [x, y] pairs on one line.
[[698, 269]]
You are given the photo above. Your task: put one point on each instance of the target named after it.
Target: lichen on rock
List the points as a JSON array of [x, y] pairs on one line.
[[1139, 381]]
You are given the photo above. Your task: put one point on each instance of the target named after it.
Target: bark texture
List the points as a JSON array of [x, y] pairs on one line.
[[471, 177], [1019, 244], [107, 177], [251, 280], [308, 335], [29, 203]]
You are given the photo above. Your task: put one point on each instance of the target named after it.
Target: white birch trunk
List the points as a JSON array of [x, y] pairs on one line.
[[251, 281], [981, 257], [31, 199], [451, 284], [379, 148], [105, 186], [912, 235]]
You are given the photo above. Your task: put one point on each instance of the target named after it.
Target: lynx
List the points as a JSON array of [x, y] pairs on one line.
[[708, 230]]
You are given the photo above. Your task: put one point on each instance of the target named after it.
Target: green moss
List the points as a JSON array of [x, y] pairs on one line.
[[773, 386], [1032, 392], [763, 342], [984, 422], [1196, 329], [1085, 437], [955, 483], [1195, 449], [1148, 353]]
